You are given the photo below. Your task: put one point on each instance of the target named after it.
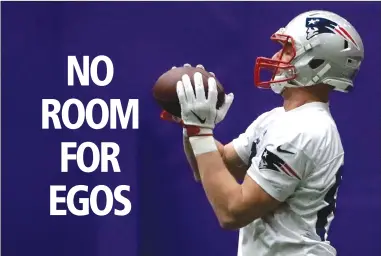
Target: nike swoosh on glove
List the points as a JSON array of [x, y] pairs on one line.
[[197, 111]]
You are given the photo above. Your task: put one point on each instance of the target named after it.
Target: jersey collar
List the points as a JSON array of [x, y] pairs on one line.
[[315, 104]]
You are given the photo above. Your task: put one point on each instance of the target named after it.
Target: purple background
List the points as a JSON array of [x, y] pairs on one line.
[[170, 214]]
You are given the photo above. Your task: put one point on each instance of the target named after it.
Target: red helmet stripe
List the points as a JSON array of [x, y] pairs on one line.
[[348, 35]]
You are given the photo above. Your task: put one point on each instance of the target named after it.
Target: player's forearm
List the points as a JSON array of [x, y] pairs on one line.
[[192, 159], [238, 172], [221, 188]]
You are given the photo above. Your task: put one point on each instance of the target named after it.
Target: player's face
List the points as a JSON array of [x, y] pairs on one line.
[[285, 54], [280, 63]]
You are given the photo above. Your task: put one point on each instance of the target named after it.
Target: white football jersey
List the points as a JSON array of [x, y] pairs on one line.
[[296, 157]]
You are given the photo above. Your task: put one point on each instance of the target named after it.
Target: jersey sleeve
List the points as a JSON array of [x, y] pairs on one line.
[[244, 142], [281, 167], [243, 145]]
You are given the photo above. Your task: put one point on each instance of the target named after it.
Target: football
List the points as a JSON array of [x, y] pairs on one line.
[[164, 90]]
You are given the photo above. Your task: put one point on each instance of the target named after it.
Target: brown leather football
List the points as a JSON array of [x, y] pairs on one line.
[[164, 90]]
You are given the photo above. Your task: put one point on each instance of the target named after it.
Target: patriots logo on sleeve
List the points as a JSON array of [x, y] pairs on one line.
[[273, 162], [316, 26]]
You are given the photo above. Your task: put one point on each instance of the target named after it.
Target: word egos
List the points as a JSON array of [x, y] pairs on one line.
[[89, 201]]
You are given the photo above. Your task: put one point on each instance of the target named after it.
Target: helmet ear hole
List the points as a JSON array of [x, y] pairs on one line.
[[315, 63]]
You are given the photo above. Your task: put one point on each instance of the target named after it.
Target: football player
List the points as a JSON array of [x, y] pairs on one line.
[[277, 182]]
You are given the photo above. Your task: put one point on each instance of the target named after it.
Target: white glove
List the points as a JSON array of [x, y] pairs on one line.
[[197, 111], [223, 110]]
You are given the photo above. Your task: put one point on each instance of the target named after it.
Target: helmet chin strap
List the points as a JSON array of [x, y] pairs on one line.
[[318, 76], [278, 88]]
